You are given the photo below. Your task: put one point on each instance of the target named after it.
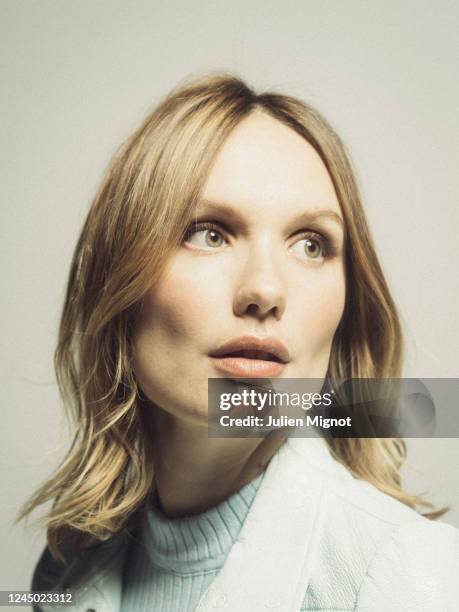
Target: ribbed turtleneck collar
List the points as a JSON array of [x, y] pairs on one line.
[[200, 542]]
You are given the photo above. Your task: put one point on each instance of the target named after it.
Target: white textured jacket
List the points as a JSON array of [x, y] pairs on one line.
[[313, 528]]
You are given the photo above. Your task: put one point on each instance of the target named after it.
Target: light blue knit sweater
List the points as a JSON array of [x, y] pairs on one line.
[[175, 560]]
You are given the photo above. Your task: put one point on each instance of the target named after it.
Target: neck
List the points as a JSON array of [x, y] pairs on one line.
[[194, 472]]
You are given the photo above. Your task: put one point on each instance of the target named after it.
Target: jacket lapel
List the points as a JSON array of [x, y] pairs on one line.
[[269, 565]]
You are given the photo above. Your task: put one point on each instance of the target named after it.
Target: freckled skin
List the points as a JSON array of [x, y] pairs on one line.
[[252, 284]]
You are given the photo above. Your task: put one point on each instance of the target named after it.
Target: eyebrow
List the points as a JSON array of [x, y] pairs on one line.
[[229, 213]]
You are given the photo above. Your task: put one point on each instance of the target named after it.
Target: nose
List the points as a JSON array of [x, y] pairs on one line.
[[260, 290]]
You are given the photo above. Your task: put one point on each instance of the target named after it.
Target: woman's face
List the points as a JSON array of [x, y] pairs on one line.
[[270, 266]]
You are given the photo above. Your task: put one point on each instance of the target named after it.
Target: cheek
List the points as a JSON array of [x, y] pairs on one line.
[[176, 309], [171, 334], [173, 308], [166, 333], [323, 302]]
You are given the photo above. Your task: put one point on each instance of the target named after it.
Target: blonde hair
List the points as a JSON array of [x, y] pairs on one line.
[[138, 217]]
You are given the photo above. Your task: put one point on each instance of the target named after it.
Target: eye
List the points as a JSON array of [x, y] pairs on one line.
[[313, 246], [204, 235]]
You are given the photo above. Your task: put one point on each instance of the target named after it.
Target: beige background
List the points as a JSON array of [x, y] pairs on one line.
[[77, 77]]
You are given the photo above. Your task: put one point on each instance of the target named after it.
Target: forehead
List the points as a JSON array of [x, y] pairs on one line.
[[265, 167]]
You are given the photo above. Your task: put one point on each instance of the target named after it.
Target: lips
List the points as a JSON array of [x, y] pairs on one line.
[[254, 354], [251, 356], [251, 347]]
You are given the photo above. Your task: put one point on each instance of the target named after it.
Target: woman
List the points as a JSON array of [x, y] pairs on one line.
[[228, 233]]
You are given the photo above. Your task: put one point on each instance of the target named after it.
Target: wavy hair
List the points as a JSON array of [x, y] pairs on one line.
[[138, 217]]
